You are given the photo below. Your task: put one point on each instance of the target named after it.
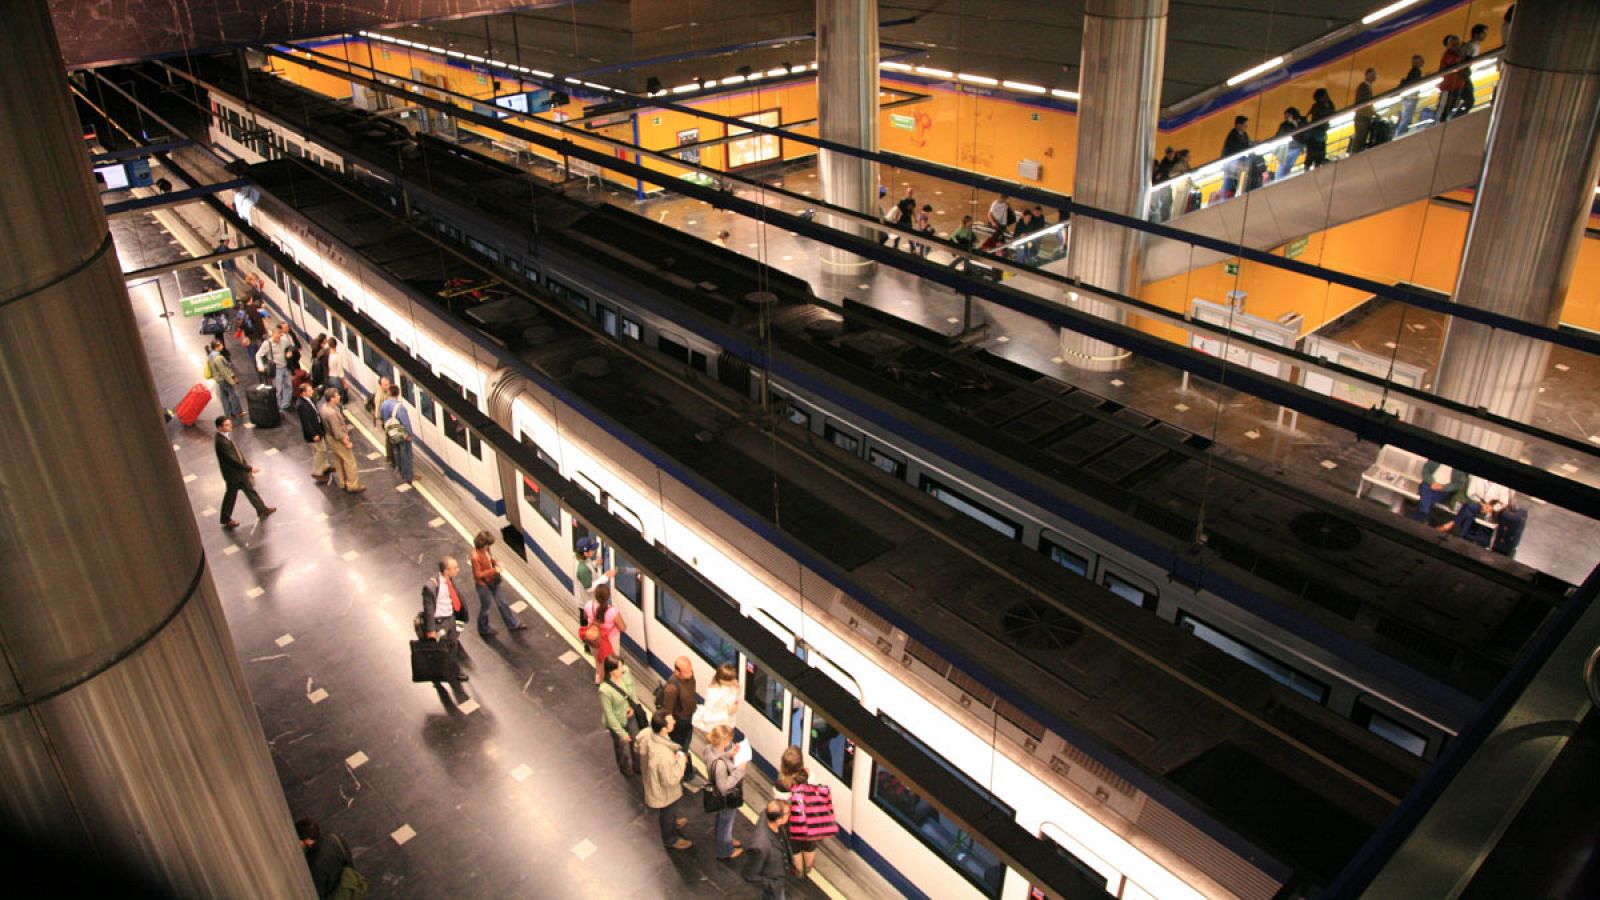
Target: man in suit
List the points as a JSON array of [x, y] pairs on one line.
[[237, 474], [440, 603], [312, 430]]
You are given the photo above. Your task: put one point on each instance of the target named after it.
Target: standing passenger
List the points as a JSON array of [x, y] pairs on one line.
[[680, 699], [1408, 104], [768, 854], [1316, 139], [588, 573], [272, 358], [1292, 122], [616, 713], [397, 434], [328, 858], [311, 429], [722, 702], [343, 449], [608, 625], [487, 578], [1365, 112], [725, 776], [663, 763], [227, 379], [1237, 142], [237, 474], [1450, 85], [811, 819]]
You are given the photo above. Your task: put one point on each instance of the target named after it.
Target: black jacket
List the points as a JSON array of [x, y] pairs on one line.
[[1236, 142], [310, 420], [235, 468]]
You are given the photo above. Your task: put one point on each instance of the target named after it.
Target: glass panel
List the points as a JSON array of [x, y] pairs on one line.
[[763, 692], [840, 439], [425, 405], [1074, 563], [886, 462], [982, 514], [631, 329], [1390, 730], [701, 636], [941, 835], [1283, 674], [627, 580], [830, 747], [753, 150], [1129, 592]]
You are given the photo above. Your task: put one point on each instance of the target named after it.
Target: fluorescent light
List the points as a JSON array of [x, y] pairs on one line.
[[572, 81], [780, 70], [895, 66], [541, 73], [598, 87], [935, 73], [710, 83], [477, 59], [685, 88], [456, 53], [796, 70], [1387, 11], [1065, 95], [733, 79], [1023, 86], [1253, 71], [978, 79]]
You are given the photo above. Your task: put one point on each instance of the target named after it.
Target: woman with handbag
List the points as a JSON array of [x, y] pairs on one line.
[[725, 794], [486, 575], [603, 625]]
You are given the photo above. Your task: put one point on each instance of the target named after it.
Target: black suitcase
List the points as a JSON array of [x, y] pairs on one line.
[[264, 406], [432, 661]]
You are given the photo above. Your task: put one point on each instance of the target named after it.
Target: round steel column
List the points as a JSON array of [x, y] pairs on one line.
[[1532, 206], [126, 730], [847, 112], [1119, 87]]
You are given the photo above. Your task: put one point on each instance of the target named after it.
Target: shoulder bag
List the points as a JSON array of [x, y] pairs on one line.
[[715, 802]]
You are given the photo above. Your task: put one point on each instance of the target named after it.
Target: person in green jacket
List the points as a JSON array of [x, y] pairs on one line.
[[1440, 484], [616, 707]]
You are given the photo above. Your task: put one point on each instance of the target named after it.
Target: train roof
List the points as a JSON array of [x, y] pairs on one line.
[[1178, 718]]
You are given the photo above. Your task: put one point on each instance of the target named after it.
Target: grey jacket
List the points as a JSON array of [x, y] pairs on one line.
[[724, 774], [766, 856]]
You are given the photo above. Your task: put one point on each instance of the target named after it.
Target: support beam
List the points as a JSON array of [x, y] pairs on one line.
[[172, 198], [847, 113]]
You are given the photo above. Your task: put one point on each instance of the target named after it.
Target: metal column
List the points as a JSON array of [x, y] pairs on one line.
[[1119, 86], [1532, 205], [126, 730], [847, 112]]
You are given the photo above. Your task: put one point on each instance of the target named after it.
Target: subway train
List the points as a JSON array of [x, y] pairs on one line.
[[1294, 580], [1135, 764]]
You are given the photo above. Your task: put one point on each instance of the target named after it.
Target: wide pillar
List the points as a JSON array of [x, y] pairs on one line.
[[127, 735], [847, 112], [1532, 205], [1119, 88]]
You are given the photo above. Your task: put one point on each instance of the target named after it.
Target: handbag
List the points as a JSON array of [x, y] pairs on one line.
[[715, 802], [432, 661]]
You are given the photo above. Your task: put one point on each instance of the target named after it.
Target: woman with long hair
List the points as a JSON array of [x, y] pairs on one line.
[[486, 576], [607, 627]]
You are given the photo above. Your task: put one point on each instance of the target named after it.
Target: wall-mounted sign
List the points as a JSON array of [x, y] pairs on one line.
[[1230, 268], [1295, 248], [209, 302], [904, 123]]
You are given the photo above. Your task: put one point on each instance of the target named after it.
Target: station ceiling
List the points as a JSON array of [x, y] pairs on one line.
[[623, 43]]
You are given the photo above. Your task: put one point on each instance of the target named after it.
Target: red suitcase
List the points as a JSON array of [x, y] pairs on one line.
[[192, 404]]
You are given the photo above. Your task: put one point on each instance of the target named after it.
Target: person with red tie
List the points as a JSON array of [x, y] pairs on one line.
[[440, 604]]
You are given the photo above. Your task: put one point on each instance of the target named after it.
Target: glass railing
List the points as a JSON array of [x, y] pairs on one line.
[[1405, 111]]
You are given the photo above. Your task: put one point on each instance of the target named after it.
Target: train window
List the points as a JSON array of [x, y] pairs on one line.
[[977, 511], [839, 438], [513, 264], [313, 309], [1061, 556], [588, 485], [1284, 674], [1128, 591], [887, 463], [975, 862], [631, 329], [763, 692], [608, 320], [798, 416], [698, 362], [375, 362], [830, 747], [1406, 739], [425, 406], [672, 348], [625, 514], [482, 249], [540, 499], [701, 636], [1073, 854], [626, 581], [408, 390]]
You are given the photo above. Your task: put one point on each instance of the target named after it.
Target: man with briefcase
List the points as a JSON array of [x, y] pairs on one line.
[[436, 655]]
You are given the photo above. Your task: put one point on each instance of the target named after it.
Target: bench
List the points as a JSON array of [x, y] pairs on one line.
[[1394, 478]]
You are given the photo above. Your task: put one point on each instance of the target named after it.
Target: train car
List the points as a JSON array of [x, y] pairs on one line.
[[1143, 737], [1293, 580]]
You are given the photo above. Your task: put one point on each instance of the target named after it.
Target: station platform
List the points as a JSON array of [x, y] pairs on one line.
[[508, 791]]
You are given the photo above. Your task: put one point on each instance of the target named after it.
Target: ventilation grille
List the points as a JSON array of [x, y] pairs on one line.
[[1022, 720], [1040, 626], [970, 685], [1414, 638], [925, 656], [1093, 767], [866, 616], [1189, 843]]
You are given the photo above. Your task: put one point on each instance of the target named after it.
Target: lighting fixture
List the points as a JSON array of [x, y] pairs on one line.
[[1387, 11], [1253, 71], [934, 73], [978, 79], [1023, 86]]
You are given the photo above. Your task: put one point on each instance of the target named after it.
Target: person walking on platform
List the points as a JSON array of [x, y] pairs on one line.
[[337, 433], [311, 429], [680, 699], [726, 776], [237, 474], [662, 763], [766, 859], [227, 379], [486, 578], [397, 433], [616, 713], [441, 604], [273, 359], [333, 871]]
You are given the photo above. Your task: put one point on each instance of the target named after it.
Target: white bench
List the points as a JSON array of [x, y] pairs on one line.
[[1394, 478]]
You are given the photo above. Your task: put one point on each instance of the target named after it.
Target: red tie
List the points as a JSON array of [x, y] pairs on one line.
[[455, 599]]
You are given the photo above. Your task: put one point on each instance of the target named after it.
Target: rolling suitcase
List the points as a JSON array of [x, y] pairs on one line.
[[432, 661], [264, 406], [192, 404]]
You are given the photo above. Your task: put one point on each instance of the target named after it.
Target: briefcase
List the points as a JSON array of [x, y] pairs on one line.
[[432, 661]]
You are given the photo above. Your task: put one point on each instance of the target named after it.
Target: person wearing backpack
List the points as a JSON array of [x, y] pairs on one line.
[[725, 794], [397, 433], [332, 871], [810, 820]]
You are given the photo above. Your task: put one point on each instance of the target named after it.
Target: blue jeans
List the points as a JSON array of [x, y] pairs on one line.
[[1428, 497], [403, 460], [667, 818], [281, 381], [1408, 111], [230, 398], [491, 595], [724, 829], [1290, 156]]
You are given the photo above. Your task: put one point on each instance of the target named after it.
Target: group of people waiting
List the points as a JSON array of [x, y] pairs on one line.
[[1474, 501]]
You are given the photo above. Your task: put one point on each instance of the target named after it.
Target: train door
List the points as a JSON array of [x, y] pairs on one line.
[[608, 319], [763, 716], [830, 756]]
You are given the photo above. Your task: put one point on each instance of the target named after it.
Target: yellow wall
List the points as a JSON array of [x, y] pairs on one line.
[[1391, 57], [987, 135]]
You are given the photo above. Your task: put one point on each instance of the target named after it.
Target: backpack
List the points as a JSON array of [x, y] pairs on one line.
[[392, 427], [661, 695], [811, 812], [352, 886]]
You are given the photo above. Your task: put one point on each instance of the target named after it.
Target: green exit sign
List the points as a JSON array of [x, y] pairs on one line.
[[209, 302], [905, 123], [655, 120], [1231, 268], [1296, 247]]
